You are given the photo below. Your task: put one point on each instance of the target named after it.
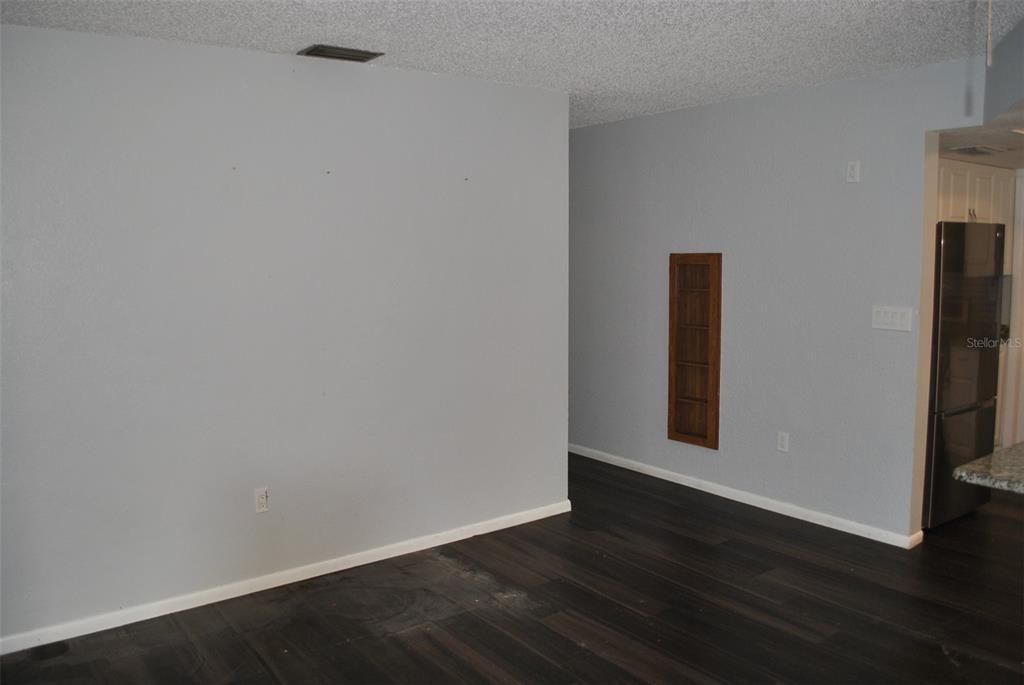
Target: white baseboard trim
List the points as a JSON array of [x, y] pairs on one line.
[[784, 508], [120, 617]]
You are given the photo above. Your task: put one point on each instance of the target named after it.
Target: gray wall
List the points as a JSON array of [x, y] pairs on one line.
[[224, 270], [806, 254]]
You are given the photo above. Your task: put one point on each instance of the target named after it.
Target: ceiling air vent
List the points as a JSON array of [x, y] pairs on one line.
[[345, 54], [978, 149]]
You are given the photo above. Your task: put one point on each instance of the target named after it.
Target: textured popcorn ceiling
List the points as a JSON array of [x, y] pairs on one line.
[[616, 58]]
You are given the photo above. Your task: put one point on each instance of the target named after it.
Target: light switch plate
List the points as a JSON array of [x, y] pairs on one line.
[[262, 499], [853, 171], [889, 318]]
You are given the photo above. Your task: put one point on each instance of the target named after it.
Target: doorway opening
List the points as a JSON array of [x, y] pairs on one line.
[[971, 346]]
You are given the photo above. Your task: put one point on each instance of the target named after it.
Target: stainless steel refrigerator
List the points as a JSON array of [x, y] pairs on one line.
[[966, 334]]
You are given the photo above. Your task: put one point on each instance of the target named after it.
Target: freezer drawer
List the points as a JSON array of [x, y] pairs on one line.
[[955, 439]]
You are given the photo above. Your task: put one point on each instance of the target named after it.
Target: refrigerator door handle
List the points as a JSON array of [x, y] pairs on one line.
[[964, 410]]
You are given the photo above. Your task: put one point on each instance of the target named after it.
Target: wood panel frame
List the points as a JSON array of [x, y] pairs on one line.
[[678, 348]]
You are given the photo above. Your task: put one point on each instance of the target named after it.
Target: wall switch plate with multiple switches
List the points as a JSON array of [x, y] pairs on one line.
[[890, 318], [783, 441], [262, 499]]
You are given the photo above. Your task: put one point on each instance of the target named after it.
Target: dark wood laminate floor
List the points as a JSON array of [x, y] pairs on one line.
[[645, 581]]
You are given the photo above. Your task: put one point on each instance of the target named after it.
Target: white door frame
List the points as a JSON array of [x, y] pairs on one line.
[[924, 327], [1012, 427]]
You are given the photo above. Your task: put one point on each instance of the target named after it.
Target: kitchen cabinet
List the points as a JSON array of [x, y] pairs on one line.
[[974, 192]]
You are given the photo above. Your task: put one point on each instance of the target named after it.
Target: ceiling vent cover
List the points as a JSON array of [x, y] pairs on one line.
[[344, 54], [978, 149]]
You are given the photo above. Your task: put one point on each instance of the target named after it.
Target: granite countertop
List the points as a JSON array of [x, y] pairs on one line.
[[1002, 470]]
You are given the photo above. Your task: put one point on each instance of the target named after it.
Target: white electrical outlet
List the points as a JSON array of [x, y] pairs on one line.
[[262, 499], [783, 441], [853, 171]]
